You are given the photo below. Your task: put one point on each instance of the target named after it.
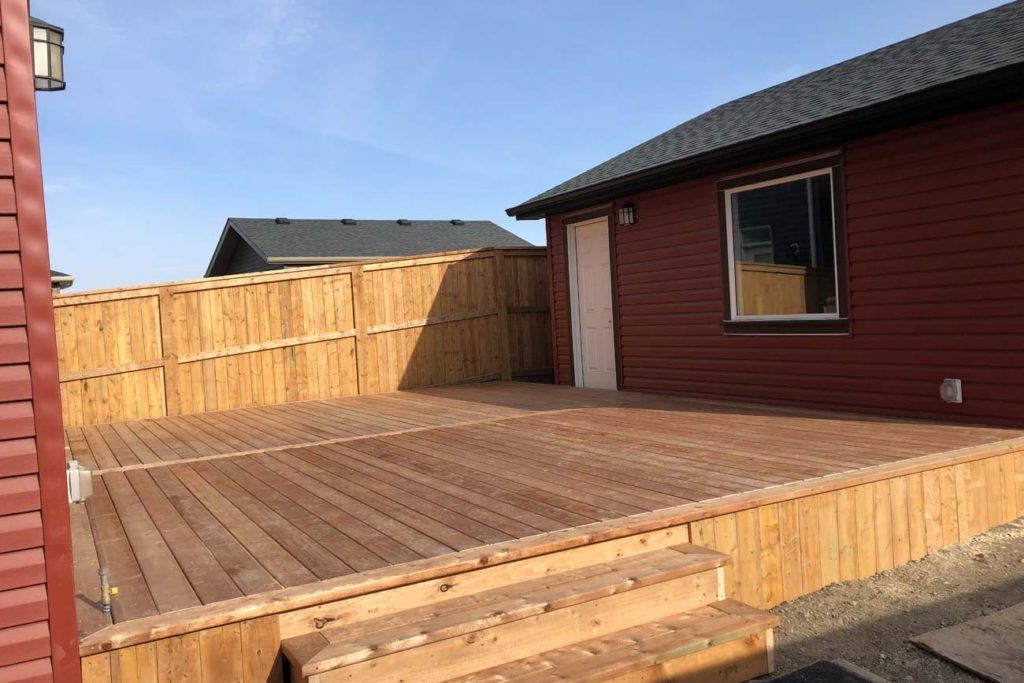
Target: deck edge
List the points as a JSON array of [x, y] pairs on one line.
[[175, 623]]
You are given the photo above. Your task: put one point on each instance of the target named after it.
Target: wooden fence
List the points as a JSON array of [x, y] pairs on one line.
[[304, 333]]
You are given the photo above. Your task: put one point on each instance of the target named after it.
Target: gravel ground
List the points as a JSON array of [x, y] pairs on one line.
[[870, 622]]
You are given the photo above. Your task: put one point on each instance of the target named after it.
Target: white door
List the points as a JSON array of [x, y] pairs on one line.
[[590, 277]]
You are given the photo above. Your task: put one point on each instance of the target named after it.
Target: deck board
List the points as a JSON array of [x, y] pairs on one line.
[[196, 509]]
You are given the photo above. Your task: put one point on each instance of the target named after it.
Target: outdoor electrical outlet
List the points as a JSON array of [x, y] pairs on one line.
[[951, 391]]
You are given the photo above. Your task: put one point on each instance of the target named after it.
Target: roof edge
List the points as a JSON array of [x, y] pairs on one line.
[[218, 251], [994, 87], [325, 259], [248, 240]]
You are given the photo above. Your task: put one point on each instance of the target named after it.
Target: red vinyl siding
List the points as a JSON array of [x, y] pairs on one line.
[[935, 243], [24, 643], [22, 568], [37, 619], [20, 531], [562, 339], [36, 671]]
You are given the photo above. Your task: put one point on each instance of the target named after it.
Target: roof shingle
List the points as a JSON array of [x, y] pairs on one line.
[[970, 47], [306, 239]]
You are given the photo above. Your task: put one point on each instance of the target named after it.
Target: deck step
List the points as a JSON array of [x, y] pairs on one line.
[[537, 599], [724, 641]]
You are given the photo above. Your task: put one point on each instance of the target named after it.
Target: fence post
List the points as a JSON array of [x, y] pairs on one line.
[[359, 314], [169, 346], [501, 306]]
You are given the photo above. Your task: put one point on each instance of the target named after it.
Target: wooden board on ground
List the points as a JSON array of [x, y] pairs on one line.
[[991, 646]]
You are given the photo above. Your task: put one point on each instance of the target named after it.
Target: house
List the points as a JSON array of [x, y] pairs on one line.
[[255, 244], [271, 502], [60, 281], [849, 239], [38, 636]]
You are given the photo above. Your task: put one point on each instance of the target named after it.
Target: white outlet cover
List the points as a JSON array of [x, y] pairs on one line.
[[951, 391]]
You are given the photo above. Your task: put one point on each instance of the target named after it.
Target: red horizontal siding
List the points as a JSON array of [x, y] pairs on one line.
[[20, 531], [935, 243], [12, 307], [19, 494], [15, 382], [8, 226], [17, 456], [36, 671], [13, 345], [10, 271], [24, 643], [16, 420], [22, 606], [21, 568], [6, 159], [37, 610], [561, 337]]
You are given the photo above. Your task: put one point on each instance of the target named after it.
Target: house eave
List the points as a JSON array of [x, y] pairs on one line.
[[997, 86]]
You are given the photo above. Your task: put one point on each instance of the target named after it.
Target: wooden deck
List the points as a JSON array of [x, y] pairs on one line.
[[196, 510]]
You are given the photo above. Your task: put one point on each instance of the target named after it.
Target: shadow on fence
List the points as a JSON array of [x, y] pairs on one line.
[[304, 333]]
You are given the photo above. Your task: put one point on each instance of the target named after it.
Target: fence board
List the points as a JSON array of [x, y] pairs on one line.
[[302, 334]]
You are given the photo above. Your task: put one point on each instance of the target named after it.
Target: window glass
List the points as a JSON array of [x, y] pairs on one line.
[[41, 66], [783, 248]]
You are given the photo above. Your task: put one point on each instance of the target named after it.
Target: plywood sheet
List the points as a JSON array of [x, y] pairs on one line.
[[990, 646]]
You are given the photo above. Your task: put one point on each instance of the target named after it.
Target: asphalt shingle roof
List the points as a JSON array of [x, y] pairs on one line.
[[970, 47], [305, 239]]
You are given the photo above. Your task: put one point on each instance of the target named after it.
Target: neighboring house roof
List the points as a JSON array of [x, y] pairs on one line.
[[987, 44], [298, 241], [59, 280]]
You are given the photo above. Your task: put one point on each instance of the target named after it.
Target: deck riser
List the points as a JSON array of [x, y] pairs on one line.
[[343, 612], [446, 659], [732, 662]]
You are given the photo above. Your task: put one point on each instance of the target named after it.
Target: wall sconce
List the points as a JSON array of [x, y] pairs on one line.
[[47, 54], [627, 214]]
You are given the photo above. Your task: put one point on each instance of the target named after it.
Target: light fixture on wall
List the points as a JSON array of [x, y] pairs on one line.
[[627, 214], [47, 54]]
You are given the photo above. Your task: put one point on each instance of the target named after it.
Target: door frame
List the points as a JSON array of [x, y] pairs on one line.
[[569, 224]]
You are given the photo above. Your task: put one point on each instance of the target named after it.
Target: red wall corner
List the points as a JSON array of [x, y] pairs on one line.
[[34, 421]]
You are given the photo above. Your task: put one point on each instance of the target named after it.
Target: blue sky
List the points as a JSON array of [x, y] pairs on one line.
[[180, 114]]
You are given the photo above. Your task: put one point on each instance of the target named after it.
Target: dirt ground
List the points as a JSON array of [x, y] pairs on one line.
[[869, 622]]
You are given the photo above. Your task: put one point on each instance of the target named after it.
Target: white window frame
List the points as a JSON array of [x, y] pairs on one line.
[[733, 294]]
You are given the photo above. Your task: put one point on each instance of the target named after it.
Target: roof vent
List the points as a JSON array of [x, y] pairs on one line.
[[348, 221], [404, 221], [280, 220], [456, 221]]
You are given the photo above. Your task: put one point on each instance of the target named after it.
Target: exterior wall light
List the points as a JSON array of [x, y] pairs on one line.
[[47, 54], [627, 214]]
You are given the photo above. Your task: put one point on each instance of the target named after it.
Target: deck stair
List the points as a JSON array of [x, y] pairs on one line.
[[646, 616]]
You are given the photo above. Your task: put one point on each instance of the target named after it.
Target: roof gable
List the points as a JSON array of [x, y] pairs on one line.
[[977, 45]]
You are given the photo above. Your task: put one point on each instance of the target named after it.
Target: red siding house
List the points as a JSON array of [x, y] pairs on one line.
[[38, 640], [851, 239]]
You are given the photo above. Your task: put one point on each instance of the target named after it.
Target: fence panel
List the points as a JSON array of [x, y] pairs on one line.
[[301, 334]]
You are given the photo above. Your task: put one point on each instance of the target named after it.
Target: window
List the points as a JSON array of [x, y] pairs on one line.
[[781, 248]]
